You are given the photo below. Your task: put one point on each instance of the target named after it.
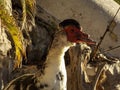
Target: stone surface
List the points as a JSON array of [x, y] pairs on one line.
[[94, 16]]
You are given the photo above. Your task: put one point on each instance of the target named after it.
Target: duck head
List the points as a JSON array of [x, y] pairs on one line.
[[74, 32]]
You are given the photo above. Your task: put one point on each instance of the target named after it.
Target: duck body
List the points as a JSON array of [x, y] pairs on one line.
[[55, 71], [53, 75]]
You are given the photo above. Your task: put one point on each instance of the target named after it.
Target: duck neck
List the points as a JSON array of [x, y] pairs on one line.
[[55, 70], [55, 57]]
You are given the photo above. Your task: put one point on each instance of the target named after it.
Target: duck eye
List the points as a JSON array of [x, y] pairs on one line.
[[72, 30]]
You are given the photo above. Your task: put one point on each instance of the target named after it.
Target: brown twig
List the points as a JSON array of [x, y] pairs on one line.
[[101, 39], [111, 48]]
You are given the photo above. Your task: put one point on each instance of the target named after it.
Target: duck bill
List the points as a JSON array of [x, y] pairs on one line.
[[83, 37]]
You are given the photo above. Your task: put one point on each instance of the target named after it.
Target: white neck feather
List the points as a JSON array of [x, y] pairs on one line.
[[56, 53], [55, 62], [55, 58]]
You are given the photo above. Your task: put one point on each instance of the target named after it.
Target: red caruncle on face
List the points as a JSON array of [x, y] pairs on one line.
[[74, 34]]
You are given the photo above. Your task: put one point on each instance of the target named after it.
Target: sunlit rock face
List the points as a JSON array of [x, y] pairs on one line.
[[94, 16]]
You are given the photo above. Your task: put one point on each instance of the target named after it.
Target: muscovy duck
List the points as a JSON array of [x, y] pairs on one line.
[[53, 75]]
